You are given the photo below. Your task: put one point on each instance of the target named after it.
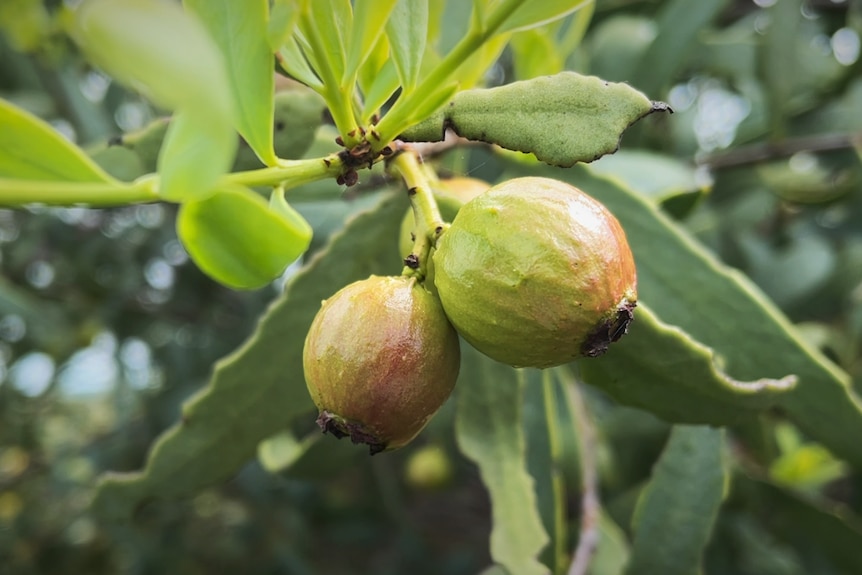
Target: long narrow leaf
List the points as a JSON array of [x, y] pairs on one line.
[[407, 30], [542, 430], [369, 22], [676, 511], [31, 149], [237, 27], [489, 432], [531, 13]]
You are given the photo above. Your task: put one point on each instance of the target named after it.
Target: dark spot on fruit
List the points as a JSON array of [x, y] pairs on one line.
[[438, 229], [351, 133], [411, 191], [327, 162], [609, 331], [412, 262], [328, 424], [339, 140], [387, 151], [339, 180], [339, 428]]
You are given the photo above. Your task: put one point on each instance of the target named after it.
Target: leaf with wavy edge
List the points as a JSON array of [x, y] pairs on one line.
[[260, 388], [489, 432], [562, 119], [660, 368]]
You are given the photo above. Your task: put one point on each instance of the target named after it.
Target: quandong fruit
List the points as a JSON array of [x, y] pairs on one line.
[[380, 359], [536, 273]]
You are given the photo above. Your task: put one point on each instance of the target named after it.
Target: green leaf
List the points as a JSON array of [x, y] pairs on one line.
[[676, 511], [328, 26], [617, 44], [157, 48], [542, 430], [471, 72], [679, 23], [26, 24], [687, 286], [434, 101], [283, 19], [656, 176], [238, 26], [279, 205], [369, 22], [146, 143], [531, 14], [196, 151], [562, 119], [236, 239], [660, 368], [315, 457], [121, 163], [381, 89], [31, 149], [283, 449], [612, 552], [805, 522], [534, 53], [489, 432], [577, 29], [809, 466], [407, 30], [291, 58], [298, 115], [260, 388]]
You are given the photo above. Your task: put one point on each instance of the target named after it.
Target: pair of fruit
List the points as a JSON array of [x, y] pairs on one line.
[[533, 273]]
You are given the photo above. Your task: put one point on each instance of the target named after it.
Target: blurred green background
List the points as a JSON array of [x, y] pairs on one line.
[[106, 327]]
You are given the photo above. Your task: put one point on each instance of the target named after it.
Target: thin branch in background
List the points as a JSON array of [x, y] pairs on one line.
[[451, 140], [588, 539], [755, 153]]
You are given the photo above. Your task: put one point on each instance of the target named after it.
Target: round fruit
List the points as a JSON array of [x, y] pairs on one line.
[[450, 194], [536, 273], [380, 359], [429, 468]]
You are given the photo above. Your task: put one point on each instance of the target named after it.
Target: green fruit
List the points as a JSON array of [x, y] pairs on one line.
[[380, 359], [450, 194], [429, 468], [536, 273]]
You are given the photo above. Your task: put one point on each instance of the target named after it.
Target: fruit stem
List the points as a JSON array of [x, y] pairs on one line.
[[429, 224]]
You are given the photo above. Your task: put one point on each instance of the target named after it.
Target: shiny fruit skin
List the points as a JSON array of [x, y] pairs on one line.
[[380, 359], [536, 273]]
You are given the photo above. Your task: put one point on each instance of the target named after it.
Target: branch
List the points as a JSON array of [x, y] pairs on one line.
[[755, 153], [588, 539]]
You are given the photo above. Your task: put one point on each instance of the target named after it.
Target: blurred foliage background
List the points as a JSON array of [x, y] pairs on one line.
[[106, 328]]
